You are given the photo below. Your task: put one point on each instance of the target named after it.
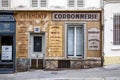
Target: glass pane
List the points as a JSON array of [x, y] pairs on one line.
[[79, 41], [71, 41], [37, 44], [6, 48]]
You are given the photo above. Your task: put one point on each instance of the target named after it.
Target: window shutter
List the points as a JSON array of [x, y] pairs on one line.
[[71, 3], [43, 3], [80, 3], [34, 3], [5, 3]]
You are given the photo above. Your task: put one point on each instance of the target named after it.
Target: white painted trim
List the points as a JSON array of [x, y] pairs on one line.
[[44, 46], [85, 40], [65, 32], [29, 39], [75, 41], [43, 43], [115, 47]]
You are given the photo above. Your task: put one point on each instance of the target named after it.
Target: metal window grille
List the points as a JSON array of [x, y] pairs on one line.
[[5, 3], [80, 3], [43, 3], [34, 3], [71, 3], [116, 29]]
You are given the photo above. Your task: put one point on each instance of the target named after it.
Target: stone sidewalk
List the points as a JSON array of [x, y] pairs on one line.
[[111, 72]]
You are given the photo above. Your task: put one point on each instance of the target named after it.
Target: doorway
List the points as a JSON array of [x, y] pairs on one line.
[[6, 53], [37, 50]]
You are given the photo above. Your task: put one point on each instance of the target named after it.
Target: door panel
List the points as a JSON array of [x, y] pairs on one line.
[[37, 44]]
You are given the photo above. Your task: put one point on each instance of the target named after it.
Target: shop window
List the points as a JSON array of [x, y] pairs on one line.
[[6, 45], [116, 29], [5, 3], [75, 40], [75, 3]]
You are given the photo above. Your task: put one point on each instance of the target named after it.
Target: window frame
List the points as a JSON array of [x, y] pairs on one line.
[[116, 29], [39, 4], [84, 40], [8, 6], [75, 4], [34, 6]]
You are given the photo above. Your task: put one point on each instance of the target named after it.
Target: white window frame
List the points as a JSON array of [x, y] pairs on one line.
[[39, 4], [116, 30], [76, 4], [42, 6], [115, 46], [31, 52], [9, 4], [80, 5], [84, 45], [69, 5]]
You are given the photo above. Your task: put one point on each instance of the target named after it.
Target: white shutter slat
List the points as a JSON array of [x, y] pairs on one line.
[[43, 3], [80, 3], [71, 3], [34, 3], [5, 3]]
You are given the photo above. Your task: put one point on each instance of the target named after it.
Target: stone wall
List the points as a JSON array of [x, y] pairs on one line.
[[23, 64], [52, 64], [74, 64]]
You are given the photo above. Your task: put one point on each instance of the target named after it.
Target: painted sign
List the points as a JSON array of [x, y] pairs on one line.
[[76, 16], [55, 40], [33, 22], [7, 18], [6, 52], [7, 27], [93, 39]]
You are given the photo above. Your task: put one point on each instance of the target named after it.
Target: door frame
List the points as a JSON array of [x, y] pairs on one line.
[[43, 34], [31, 44], [14, 54]]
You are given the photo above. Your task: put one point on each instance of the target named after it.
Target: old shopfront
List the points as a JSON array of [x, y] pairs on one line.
[[7, 43], [52, 40]]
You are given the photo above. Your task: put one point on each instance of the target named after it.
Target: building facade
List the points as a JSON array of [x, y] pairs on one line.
[[52, 35], [111, 31]]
